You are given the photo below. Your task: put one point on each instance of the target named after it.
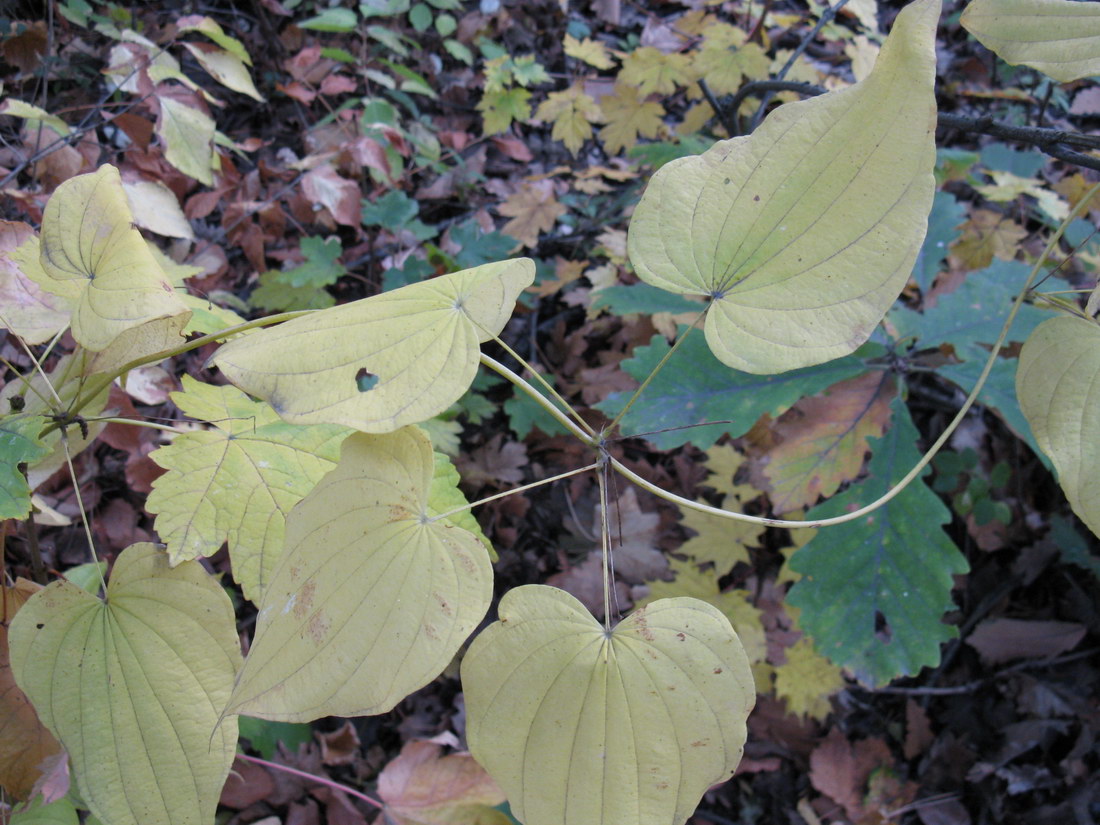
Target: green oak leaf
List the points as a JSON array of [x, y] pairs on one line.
[[873, 591], [19, 444], [696, 388]]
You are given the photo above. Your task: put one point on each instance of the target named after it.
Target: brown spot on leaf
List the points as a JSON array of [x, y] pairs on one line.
[[318, 626], [304, 602], [718, 670], [681, 637]]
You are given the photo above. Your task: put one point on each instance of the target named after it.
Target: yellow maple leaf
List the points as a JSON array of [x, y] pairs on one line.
[[719, 540], [651, 70], [807, 680], [572, 112], [723, 463], [533, 210], [987, 235], [589, 51], [628, 116], [1008, 187], [500, 108]]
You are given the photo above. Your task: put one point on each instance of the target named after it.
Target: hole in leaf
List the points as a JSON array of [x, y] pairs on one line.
[[882, 628], [365, 380]]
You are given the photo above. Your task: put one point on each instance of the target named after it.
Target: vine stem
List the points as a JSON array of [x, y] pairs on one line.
[[653, 373], [547, 386], [540, 399], [320, 780], [106, 379], [83, 512], [925, 459], [513, 492], [605, 549]]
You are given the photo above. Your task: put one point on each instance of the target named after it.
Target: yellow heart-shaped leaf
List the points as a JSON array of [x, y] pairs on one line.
[[1058, 37], [382, 362], [1058, 384], [92, 256], [370, 599], [803, 233], [584, 727], [134, 687]]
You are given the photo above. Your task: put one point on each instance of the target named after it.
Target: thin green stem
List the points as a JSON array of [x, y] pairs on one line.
[[80, 506], [100, 382], [539, 399], [513, 491], [653, 374], [925, 459], [605, 547], [546, 385], [133, 422], [320, 780]]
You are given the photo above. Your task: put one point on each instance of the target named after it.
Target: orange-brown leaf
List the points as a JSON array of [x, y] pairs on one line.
[[822, 441], [533, 210], [987, 235], [24, 742], [422, 787]]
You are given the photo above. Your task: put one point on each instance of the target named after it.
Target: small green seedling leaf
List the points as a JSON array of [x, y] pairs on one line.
[[134, 686], [580, 726], [19, 444], [371, 599], [331, 20], [803, 234], [873, 591], [421, 342], [237, 481], [92, 256], [1058, 383], [1058, 37]]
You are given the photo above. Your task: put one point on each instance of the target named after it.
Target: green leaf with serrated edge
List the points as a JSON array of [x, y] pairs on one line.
[[321, 267], [382, 362], [1058, 384], [873, 591], [134, 687], [92, 256], [1058, 37], [524, 413], [947, 213], [265, 735], [970, 320], [804, 232], [19, 444], [237, 481], [642, 298], [444, 496], [694, 387], [579, 726], [370, 600]]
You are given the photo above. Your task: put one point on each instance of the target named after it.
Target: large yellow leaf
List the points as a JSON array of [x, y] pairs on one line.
[[583, 727], [383, 362], [93, 257], [236, 483], [26, 309], [134, 686], [1058, 384], [1058, 37], [803, 233], [370, 599]]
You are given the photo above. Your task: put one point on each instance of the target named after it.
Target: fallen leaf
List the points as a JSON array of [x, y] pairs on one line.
[[985, 236], [572, 113], [628, 115], [533, 210], [807, 680], [341, 746], [494, 464], [1002, 640], [422, 787], [323, 187], [589, 51], [634, 554]]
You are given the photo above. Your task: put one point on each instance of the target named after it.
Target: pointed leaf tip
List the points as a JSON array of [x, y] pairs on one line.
[[803, 233], [582, 727], [383, 362]]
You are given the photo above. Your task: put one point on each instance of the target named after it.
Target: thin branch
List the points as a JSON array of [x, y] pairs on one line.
[[320, 780]]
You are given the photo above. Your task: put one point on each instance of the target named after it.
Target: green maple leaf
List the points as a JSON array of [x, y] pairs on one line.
[[237, 481], [873, 591], [500, 108]]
